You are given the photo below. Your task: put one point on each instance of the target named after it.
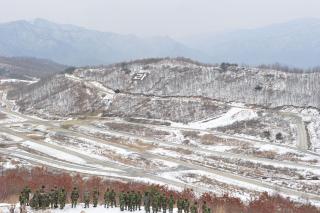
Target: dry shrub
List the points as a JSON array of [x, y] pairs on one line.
[[146, 121], [180, 150], [274, 204], [210, 139], [190, 134], [266, 154], [138, 130], [2, 116], [15, 180], [224, 204], [66, 125], [35, 137]]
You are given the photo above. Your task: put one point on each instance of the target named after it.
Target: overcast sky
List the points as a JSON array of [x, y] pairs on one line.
[[176, 18]]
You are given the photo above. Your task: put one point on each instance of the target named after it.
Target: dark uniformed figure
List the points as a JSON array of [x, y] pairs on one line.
[[164, 203], [204, 207], [139, 200], [208, 210], [135, 201], [155, 202], [86, 198], [131, 201], [113, 199], [186, 205], [47, 200], [26, 192], [106, 197], [74, 197], [180, 205], [147, 202], [42, 198], [171, 203], [122, 200], [51, 198], [22, 199], [95, 197], [34, 202], [62, 198], [127, 200], [194, 208], [56, 197], [160, 202]]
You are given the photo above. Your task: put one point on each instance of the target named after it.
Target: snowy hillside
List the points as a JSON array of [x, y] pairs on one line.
[[151, 81], [183, 91]]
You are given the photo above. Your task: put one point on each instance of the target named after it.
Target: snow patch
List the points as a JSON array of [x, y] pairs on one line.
[[235, 114], [4, 208], [53, 152]]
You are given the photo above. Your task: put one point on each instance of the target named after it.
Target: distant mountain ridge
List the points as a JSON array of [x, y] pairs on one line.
[[72, 45], [27, 68], [295, 43]]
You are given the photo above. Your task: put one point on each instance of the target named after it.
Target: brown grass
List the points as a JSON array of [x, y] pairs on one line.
[[180, 150], [66, 125], [2, 116], [136, 129], [190, 134], [35, 137]]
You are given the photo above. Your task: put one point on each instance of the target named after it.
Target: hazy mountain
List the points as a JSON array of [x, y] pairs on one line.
[[73, 45], [26, 68], [295, 43]]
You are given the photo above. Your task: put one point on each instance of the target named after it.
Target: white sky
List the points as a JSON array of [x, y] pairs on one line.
[[176, 18]]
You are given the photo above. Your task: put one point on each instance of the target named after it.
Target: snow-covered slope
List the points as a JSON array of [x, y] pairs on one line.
[[146, 80], [183, 91]]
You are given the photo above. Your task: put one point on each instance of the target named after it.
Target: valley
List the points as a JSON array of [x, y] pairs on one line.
[[109, 123]]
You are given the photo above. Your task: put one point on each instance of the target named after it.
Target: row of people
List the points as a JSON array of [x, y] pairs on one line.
[[129, 201], [41, 199]]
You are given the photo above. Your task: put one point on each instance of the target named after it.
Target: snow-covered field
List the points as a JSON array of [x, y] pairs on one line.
[[3, 81], [4, 137], [235, 114], [53, 152], [235, 152], [9, 118]]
